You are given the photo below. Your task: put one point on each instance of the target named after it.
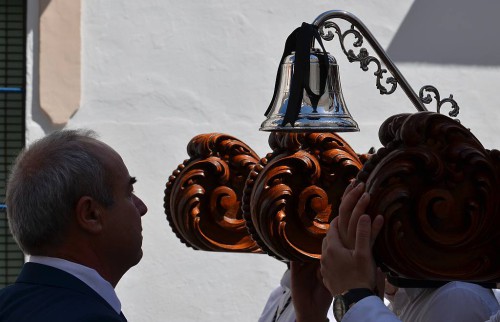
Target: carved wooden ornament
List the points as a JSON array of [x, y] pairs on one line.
[[293, 193], [435, 184], [438, 190], [203, 196], [289, 197]]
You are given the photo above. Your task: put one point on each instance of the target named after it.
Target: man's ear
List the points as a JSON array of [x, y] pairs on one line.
[[89, 215]]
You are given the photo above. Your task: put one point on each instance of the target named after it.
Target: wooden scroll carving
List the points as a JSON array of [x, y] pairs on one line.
[[293, 193], [438, 190], [203, 196]]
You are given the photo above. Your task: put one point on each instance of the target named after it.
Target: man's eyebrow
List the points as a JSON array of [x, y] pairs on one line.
[[132, 180]]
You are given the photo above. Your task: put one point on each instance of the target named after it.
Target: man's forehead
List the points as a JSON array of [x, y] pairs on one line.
[[112, 161]]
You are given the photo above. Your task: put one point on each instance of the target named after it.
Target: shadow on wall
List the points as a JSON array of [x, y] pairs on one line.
[[449, 32]]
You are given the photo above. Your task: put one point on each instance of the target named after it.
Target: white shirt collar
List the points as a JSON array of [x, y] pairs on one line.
[[286, 280], [86, 274]]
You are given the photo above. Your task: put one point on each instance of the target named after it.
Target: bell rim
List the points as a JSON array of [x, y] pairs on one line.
[[308, 129]]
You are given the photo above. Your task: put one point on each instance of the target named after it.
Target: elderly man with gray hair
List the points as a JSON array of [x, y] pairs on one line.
[[71, 207]]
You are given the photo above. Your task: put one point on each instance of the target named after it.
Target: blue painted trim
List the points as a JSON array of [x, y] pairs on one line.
[[11, 90]]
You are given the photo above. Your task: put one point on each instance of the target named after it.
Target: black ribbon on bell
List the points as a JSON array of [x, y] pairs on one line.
[[300, 41]]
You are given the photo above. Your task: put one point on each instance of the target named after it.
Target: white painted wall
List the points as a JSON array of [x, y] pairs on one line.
[[158, 72]]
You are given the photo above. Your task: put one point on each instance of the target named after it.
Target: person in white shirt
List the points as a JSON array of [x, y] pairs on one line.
[[71, 206]]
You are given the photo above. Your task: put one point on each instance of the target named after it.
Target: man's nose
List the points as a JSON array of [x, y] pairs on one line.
[[141, 206]]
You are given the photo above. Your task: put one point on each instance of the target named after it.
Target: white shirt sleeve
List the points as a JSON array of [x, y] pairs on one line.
[[272, 307], [460, 303], [370, 309], [279, 308]]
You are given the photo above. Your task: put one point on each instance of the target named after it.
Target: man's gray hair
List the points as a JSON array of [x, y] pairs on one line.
[[47, 180]]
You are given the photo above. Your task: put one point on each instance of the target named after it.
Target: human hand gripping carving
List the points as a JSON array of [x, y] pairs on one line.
[[347, 258]]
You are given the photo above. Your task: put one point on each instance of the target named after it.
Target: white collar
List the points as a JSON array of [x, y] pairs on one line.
[[86, 274], [414, 292], [286, 280]]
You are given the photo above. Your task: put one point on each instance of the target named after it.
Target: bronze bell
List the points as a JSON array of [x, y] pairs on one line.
[[329, 114]]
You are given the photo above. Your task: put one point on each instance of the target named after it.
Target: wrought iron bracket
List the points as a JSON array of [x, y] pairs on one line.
[[360, 32]]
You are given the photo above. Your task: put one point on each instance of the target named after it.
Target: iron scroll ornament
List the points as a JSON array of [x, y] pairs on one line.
[[360, 32], [428, 99]]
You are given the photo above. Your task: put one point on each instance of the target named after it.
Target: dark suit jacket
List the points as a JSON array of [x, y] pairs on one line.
[[45, 294]]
